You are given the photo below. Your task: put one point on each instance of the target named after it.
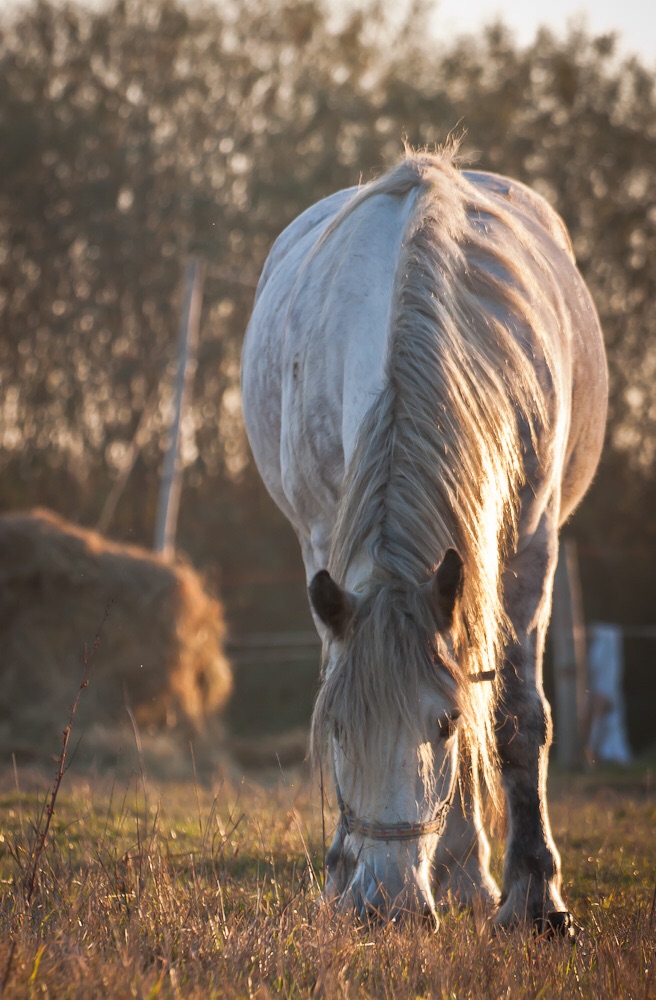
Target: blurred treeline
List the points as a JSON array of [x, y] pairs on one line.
[[136, 134]]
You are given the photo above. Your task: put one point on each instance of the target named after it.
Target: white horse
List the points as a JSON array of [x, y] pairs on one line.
[[424, 389]]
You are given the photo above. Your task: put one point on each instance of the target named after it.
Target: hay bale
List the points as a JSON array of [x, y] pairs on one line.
[[160, 648]]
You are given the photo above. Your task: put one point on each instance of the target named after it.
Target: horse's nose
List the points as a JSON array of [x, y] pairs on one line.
[[371, 904], [423, 913], [374, 904], [369, 914]]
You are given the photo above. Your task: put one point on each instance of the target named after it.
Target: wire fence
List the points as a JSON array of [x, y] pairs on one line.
[[283, 647], [273, 647]]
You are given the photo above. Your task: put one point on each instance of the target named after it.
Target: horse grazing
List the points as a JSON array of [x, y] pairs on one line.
[[424, 389]]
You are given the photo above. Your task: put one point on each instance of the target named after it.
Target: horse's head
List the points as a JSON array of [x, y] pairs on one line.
[[387, 715]]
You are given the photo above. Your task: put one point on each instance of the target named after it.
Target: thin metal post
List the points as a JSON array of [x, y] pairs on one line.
[[171, 485]]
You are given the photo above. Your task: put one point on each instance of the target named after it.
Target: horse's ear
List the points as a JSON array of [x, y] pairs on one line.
[[330, 603], [446, 587]]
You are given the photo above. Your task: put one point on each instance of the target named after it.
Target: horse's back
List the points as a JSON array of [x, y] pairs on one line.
[[535, 211]]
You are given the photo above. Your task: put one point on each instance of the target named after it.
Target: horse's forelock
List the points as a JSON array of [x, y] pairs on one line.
[[372, 691]]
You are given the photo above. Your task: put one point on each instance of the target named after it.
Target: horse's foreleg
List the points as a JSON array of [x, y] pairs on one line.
[[531, 877], [461, 865]]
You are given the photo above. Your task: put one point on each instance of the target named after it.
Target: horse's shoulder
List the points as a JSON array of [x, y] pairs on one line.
[[526, 201]]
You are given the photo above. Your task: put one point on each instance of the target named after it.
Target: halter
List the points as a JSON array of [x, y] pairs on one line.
[[394, 831], [404, 830]]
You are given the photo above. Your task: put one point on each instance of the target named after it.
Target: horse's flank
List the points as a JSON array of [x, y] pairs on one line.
[[441, 457]]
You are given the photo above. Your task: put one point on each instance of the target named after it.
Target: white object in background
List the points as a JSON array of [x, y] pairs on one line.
[[607, 739]]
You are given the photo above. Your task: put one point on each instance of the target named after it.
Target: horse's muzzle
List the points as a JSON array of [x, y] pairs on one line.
[[393, 900]]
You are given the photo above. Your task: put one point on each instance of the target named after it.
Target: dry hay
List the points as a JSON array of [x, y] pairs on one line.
[[160, 650]]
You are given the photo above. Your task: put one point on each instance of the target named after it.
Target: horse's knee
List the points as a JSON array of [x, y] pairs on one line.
[[523, 728]]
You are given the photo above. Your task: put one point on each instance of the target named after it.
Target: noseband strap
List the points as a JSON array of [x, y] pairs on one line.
[[393, 831], [484, 675], [402, 831]]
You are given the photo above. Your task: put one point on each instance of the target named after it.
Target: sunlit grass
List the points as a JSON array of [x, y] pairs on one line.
[[189, 891]]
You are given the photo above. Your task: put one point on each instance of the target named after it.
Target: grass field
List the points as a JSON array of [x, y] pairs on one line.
[[183, 891]]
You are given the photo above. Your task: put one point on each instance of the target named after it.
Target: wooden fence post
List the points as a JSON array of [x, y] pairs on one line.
[[568, 632], [169, 495]]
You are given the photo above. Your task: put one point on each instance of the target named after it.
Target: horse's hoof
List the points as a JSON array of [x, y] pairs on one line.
[[557, 923]]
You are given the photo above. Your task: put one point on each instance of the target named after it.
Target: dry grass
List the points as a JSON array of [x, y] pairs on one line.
[[187, 892]]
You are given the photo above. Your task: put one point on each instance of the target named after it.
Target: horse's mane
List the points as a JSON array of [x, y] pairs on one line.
[[439, 459]]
